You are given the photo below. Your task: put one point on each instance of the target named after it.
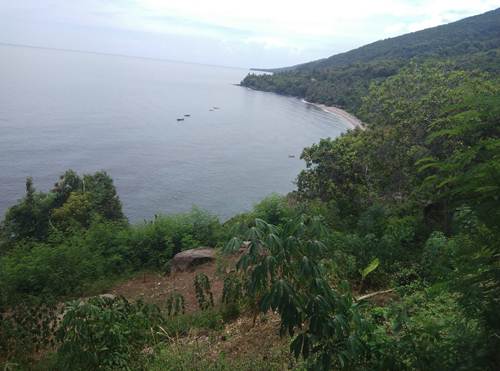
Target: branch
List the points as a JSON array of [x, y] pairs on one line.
[[372, 294]]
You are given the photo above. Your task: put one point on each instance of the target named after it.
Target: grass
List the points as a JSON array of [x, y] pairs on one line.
[[198, 356], [181, 325]]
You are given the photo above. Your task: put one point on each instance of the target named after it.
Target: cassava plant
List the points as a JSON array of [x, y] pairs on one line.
[[28, 327], [284, 267], [232, 295], [203, 291], [176, 304], [232, 291]]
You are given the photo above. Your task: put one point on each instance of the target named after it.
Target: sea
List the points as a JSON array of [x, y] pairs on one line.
[[128, 116]]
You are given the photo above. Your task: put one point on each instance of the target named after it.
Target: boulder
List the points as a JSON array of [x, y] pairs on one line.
[[188, 259]]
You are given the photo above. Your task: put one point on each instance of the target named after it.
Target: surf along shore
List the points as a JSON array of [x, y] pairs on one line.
[[351, 119]]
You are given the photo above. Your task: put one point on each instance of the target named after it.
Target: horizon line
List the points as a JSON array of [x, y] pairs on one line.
[[118, 55]]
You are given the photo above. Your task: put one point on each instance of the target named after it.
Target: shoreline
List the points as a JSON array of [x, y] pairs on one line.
[[351, 119]]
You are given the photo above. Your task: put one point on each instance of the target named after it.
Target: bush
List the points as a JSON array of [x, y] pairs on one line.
[[373, 221], [436, 263], [77, 259], [105, 332], [427, 331], [40, 269], [154, 242], [273, 209]]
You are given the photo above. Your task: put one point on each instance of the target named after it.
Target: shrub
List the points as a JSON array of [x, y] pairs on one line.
[[40, 269], [436, 263], [78, 259], [154, 242], [373, 220], [427, 331], [273, 209], [105, 332]]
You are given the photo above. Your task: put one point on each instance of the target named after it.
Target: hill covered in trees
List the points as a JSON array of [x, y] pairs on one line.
[[343, 79]]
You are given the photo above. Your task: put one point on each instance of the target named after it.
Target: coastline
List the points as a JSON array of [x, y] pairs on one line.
[[351, 119]]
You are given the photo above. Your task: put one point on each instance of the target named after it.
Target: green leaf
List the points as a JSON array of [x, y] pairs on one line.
[[370, 268]]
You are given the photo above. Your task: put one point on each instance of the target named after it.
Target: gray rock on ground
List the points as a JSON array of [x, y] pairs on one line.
[[188, 259]]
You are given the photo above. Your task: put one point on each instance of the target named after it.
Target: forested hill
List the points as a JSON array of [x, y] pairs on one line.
[[343, 79], [469, 35]]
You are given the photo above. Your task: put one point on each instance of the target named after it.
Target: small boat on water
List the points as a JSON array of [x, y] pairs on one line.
[[181, 119], [187, 115], [216, 107], [291, 156], [210, 109]]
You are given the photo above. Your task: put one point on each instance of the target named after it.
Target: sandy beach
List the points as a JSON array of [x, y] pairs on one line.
[[351, 119]]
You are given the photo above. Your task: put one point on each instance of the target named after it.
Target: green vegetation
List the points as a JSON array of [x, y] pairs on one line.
[[344, 79], [203, 294], [418, 189], [386, 257], [104, 333], [51, 238], [286, 275]]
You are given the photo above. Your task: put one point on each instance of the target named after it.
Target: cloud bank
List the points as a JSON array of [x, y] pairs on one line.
[[225, 32]]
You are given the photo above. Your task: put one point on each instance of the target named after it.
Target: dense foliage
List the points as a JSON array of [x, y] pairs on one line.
[[419, 190], [81, 238], [105, 332], [286, 274]]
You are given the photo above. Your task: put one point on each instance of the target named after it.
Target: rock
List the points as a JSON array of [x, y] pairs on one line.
[[108, 296], [188, 259]]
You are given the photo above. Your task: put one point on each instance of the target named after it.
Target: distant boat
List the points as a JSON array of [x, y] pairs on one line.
[[216, 107], [210, 109], [187, 115], [180, 119], [291, 156]]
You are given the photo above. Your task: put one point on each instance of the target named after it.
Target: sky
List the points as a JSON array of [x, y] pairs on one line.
[[257, 33]]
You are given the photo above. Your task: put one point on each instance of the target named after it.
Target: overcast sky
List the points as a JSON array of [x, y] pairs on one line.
[[258, 33]]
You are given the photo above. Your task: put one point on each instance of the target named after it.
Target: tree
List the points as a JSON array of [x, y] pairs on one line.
[[76, 212], [103, 196], [29, 218], [68, 182]]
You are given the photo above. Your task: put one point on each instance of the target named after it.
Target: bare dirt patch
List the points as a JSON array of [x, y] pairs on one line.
[[242, 340], [156, 287]]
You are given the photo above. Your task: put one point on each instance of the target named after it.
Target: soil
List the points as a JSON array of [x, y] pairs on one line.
[[243, 339], [156, 287]]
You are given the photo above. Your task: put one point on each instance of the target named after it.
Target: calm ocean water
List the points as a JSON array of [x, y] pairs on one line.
[[89, 112]]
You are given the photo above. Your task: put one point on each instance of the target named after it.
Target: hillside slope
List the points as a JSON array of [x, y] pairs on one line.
[[469, 35], [343, 79]]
